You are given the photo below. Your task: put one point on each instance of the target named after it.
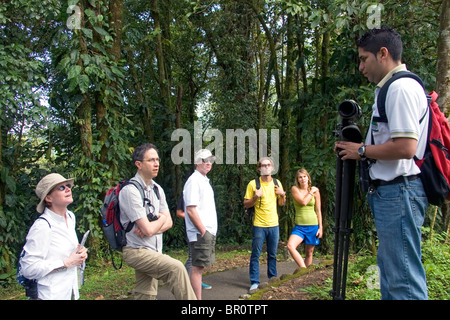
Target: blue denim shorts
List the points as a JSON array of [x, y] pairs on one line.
[[307, 233]]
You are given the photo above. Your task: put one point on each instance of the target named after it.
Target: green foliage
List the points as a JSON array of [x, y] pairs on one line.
[[76, 101], [436, 257]]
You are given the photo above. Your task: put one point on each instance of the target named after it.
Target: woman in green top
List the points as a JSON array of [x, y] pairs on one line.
[[308, 218]]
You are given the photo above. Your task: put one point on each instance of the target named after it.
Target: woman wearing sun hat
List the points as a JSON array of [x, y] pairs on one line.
[[50, 254]]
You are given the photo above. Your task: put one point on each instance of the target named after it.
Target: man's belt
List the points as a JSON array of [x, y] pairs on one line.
[[399, 179]]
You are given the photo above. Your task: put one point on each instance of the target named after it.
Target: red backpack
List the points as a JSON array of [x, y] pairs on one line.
[[435, 165], [114, 231]]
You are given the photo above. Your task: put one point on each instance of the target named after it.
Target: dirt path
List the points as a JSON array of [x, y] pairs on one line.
[[293, 289], [233, 284]]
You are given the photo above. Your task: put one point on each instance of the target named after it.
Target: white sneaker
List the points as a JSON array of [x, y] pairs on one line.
[[254, 286]]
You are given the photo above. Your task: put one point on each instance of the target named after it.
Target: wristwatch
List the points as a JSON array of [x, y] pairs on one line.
[[362, 151]]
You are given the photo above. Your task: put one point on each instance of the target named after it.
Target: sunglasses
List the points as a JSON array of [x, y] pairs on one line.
[[63, 187]]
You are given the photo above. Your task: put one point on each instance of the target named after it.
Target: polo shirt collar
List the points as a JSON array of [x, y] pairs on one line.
[[401, 67], [141, 181], [55, 216], [200, 175]]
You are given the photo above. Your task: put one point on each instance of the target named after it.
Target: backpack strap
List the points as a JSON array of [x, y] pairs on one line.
[[140, 188], [156, 190], [41, 217], [144, 199], [19, 275], [258, 183], [381, 99], [258, 186]]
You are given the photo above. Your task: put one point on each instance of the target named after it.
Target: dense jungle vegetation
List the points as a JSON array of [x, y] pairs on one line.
[[82, 82]]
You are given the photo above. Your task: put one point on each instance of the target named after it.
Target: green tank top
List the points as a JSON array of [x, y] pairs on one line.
[[306, 215]]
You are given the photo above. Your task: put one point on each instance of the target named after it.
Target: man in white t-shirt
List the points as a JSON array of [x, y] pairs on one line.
[[397, 197], [201, 218]]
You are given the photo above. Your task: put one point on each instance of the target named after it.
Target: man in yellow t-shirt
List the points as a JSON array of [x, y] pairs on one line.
[[265, 219]]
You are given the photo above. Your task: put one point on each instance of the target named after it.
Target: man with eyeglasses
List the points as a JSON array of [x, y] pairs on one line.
[[151, 218], [265, 219], [201, 218]]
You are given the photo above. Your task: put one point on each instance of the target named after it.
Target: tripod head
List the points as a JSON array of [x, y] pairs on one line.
[[348, 130]]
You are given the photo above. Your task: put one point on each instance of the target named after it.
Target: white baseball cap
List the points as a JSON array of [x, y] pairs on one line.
[[203, 154]]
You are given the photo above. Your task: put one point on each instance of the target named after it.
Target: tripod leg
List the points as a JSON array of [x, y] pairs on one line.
[[346, 218], [345, 182], [337, 216], [341, 234]]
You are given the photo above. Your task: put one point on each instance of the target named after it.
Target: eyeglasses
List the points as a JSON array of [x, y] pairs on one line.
[[266, 165], [207, 161], [152, 160], [63, 187]]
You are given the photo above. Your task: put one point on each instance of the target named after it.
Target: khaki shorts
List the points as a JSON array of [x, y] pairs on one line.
[[203, 250]]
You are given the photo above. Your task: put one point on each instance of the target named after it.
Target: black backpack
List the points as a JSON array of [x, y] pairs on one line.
[[114, 231], [251, 211], [30, 285]]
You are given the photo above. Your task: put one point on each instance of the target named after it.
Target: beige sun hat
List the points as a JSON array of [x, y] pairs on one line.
[[46, 184]]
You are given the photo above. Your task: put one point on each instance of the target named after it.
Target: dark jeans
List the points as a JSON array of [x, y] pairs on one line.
[[271, 235]]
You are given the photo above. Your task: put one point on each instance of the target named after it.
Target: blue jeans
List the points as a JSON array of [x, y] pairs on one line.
[[399, 212], [260, 234]]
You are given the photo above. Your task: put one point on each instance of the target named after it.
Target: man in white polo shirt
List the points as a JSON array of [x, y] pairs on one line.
[[397, 197], [201, 218]]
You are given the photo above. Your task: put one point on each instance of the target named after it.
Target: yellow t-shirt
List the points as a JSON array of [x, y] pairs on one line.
[[266, 214]]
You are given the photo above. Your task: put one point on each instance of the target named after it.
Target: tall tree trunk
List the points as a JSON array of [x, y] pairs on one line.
[[261, 81], [443, 61], [84, 112], [178, 181], [325, 73], [301, 94], [2, 181], [284, 117], [161, 24], [139, 90], [162, 78], [116, 23], [116, 9]]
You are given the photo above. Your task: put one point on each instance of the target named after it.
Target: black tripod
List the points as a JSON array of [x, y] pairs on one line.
[[345, 183]]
